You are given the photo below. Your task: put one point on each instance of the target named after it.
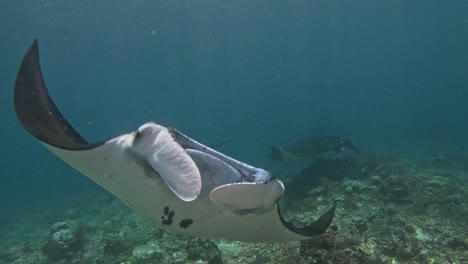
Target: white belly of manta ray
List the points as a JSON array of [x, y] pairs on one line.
[[163, 175], [144, 191]]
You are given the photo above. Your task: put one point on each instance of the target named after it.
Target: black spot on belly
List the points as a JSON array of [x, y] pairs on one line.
[[168, 216], [185, 223]]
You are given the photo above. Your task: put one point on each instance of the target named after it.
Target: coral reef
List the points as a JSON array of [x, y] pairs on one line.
[[65, 240], [390, 211], [149, 252], [203, 249]]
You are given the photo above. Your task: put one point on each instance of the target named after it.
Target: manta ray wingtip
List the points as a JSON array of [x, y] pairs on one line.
[[36, 110], [317, 227]]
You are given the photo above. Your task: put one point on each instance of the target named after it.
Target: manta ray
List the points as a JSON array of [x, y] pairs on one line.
[[163, 175], [316, 148]]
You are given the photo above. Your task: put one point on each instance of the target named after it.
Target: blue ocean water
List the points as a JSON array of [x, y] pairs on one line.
[[390, 74]]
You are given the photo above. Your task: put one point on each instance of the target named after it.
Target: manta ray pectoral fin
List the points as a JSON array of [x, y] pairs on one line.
[[277, 153], [36, 110], [280, 154], [315, 228]]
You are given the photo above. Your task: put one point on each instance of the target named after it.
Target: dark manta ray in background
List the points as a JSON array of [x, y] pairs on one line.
[[315, 148], [163, 175]]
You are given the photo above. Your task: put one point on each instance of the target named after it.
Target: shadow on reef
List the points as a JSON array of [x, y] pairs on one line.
[[390, 176], [313, 175]]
